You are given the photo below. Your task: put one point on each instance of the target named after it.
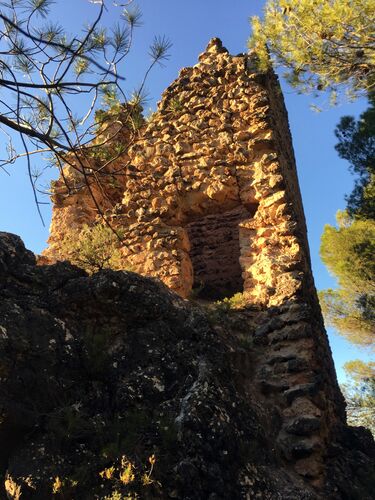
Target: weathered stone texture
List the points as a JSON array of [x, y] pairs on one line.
[[215, 253], [96, 367], [208, 199], [219, 141]]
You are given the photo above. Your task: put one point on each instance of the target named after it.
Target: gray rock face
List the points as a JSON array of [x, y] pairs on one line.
[[115, 367]]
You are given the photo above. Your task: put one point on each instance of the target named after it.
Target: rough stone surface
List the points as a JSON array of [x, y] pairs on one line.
[[218, 143], [117, 364], [209, 203]]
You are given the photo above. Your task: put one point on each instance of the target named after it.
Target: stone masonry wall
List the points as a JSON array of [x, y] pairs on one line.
[[215, 253], [208, 199]]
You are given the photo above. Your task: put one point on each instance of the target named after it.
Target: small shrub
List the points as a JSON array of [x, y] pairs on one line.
[[217, 312], [125, 476], [62, 487], [237, 301], [175, 105], [116, 495], [57, 485], [93, 248], [107, 152]]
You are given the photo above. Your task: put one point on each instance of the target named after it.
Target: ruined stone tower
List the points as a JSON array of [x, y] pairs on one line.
[[208, 200]]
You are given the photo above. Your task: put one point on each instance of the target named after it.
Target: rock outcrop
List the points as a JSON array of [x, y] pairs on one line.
[[208, 201], [95, 368]]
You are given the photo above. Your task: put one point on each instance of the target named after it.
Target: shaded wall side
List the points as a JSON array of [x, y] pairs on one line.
[[297, 370], [279, 118]]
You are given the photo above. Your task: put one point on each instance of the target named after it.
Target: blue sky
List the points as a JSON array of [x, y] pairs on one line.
[[324, 178]]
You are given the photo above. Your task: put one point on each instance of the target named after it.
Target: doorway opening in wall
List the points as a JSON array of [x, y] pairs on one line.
[[215, 253]]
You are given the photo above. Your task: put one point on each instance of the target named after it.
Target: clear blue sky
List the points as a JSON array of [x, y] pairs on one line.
[[324, 178]]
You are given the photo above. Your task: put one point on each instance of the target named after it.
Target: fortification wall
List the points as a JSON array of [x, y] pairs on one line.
[[208, 201]]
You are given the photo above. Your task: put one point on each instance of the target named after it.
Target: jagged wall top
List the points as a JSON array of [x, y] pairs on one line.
[[218, 146]]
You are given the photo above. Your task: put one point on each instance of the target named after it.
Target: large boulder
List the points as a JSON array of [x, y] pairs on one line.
[[112, 386]]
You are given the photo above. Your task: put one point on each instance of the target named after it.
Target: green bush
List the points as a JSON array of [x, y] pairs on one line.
[[93, 248], [237, 301]]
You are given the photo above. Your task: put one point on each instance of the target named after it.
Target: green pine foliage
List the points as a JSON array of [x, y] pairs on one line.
[[321, 44], [359, 393], [46, 72], [348, 251], [356, 144]]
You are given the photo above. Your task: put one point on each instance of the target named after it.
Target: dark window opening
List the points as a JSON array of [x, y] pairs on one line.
[[215, 254]]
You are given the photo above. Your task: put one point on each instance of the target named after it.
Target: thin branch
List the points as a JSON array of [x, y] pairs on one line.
[[51, 43]]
